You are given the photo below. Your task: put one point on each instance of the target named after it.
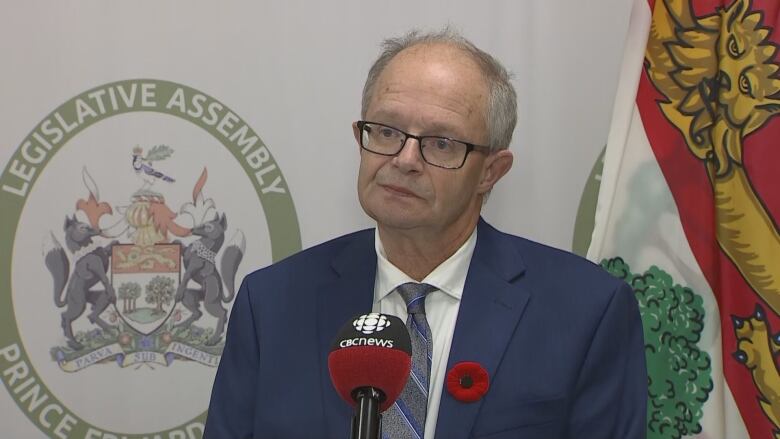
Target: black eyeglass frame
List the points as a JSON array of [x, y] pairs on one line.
[[469, 146]]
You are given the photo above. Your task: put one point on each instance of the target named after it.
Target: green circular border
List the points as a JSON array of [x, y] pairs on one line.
[[586, 211], [278, 208]]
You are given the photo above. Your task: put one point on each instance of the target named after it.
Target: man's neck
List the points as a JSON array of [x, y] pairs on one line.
[[417, 252]]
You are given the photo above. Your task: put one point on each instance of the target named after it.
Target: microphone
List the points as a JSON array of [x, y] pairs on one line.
[[369, 364]]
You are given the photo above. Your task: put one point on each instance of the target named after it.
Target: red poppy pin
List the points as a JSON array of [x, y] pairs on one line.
[[467, 381]]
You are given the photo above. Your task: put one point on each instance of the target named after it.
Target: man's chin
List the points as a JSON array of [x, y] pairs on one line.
[[396, 220]]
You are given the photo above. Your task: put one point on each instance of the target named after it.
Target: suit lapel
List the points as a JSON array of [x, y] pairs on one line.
[[348, 293], [490, 309]]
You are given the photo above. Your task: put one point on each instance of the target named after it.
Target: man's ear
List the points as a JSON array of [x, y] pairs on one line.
[[496, 166], [356, 132]]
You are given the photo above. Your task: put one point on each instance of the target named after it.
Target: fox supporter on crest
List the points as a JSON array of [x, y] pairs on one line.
[[560, 339]]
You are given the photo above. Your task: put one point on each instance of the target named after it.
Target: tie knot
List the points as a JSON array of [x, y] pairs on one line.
[[414, 296]]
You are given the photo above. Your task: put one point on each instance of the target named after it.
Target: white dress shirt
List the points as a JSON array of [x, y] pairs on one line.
[[441, 309]]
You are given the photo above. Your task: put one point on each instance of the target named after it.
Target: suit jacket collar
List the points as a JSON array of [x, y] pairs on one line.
[[490, 309], [492, 304], [349, 292]]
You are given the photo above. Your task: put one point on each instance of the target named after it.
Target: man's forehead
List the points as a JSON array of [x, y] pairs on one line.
[[431, 68], [435, 124]]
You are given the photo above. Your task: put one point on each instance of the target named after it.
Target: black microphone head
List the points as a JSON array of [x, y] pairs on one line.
[[371, 350]]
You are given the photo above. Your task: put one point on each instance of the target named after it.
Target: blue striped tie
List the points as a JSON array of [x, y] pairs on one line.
[[406, 418]]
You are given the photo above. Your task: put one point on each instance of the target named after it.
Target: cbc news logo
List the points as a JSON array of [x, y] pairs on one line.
[[371, 323]]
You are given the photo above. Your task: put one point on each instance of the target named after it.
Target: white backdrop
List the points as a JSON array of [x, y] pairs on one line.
[[285, 65]]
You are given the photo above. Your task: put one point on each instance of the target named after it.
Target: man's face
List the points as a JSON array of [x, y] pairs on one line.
[[427, 90]]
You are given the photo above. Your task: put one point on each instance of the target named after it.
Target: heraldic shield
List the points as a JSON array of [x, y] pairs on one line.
[[145, 278]]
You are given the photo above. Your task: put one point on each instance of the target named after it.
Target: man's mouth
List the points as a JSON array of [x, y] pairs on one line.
[[398, 190]]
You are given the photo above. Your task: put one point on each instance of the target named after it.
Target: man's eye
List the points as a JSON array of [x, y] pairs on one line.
[[386, 132], [443, 144]]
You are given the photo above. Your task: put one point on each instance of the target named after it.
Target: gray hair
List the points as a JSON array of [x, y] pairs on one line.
[[501, 115]]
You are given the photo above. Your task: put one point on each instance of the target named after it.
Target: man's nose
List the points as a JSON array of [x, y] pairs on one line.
[[410, 156]]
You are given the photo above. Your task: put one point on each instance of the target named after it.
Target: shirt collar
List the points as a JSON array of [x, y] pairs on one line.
[[449, 277]]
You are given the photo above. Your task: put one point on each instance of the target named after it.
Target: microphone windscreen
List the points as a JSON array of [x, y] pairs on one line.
[[371, 350]]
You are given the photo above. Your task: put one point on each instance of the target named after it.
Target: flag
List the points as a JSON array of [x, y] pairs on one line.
[[688, 211]]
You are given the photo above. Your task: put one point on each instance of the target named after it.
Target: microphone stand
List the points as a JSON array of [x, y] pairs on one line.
[[366, 421]]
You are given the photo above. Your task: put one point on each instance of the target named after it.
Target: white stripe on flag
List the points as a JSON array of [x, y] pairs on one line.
[[625, 105]]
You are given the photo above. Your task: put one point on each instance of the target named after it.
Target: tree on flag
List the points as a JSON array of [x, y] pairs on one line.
[[688, 211]]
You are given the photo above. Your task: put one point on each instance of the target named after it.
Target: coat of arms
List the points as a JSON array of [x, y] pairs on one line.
[[140, 278]]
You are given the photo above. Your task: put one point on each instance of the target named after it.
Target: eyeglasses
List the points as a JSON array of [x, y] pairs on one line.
[[441, 152]]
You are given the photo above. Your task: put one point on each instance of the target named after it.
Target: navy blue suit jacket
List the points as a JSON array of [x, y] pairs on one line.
[[560, 338]]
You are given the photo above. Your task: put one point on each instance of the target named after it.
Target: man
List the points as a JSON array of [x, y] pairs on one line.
[[560, 339]]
